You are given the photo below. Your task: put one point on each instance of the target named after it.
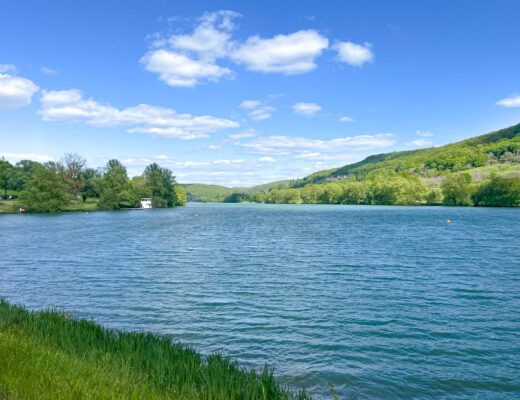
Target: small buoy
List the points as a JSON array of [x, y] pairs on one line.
[[449, 221]]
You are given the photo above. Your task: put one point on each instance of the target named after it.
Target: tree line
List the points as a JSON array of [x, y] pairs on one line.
[[397, 189], [54, 186]]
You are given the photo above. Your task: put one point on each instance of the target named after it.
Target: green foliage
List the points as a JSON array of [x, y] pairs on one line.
[[503, 146], [51, 355], [456, 190], [115, 187], [498, 192], [5, 174], [161, 183], [45, 191], [179, 195]]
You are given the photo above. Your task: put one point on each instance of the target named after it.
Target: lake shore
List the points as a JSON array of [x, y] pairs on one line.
[[52, 355]]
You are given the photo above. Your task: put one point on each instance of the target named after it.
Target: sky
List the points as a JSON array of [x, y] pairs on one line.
[[244, 93]]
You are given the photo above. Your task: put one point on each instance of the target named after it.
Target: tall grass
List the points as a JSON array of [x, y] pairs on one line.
[[51, 355]]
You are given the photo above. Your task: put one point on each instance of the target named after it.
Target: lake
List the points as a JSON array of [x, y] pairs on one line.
[[382, 302]]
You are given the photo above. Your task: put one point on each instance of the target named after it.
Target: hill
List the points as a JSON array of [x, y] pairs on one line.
[[200, 192], [495, 148], [483, 170]]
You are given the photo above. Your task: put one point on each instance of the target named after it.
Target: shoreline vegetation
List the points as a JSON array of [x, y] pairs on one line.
[[53, 355], [480, 171], [69, 185]]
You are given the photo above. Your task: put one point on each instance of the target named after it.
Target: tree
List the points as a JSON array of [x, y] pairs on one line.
[[456, 190], [45, 192], [92, 182], [180, 195], [5, 172], [498, 192], [115, 188], [161, 182], [73, 170]]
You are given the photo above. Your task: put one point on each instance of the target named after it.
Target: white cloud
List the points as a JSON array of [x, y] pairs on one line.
[[346, 118], [214, 146], [242, 135], [273, 144], [419, 143], [161, 157], [306, 109], [267, 159], [290, 54], [250, 104], [190, 59], [69, 105], [311, 155], [177, 69], [353, 53], [15, 157], [7, 68], [211, 39], [258, 110], [510, 102], [228, 162], [15, 91], [424, 133], [48, 71]]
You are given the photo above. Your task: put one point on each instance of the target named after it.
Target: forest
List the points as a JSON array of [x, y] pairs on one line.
[[70, 185], [480, 171]]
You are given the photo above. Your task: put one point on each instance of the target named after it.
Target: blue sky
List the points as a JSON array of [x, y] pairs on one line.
[[241, 93]]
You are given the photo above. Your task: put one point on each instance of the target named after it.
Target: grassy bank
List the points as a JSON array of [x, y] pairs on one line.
[[51, 355]]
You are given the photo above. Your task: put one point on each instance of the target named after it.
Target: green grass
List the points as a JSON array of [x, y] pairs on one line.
[[8, 206], [79, 205], [51, 355]]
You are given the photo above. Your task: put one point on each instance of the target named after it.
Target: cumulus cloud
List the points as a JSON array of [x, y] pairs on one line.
[[187, 60], [353, 53], [177, 69], [510, 102], [214, 146], [15, 91], [424, 133], [306, 109], [258, 110], [70, 105], [287, 54], [190, 59], [346, 118]]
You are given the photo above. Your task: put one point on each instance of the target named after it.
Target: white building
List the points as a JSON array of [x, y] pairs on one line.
[[146, 202]]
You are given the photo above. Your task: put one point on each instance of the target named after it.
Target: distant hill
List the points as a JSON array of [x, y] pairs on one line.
[[495, 148], [482, 170], [200, 192]]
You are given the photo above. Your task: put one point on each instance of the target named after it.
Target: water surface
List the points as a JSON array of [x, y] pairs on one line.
[[384, 302]]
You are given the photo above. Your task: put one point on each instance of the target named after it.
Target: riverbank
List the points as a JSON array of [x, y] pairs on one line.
[[52, 355]]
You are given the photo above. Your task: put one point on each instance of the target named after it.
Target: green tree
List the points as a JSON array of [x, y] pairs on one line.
[[179, 195], [5, 174], [115, 187], [73, 166], [161, 182], [498, 192], [45, 192], [456, 190], [92, 183]]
